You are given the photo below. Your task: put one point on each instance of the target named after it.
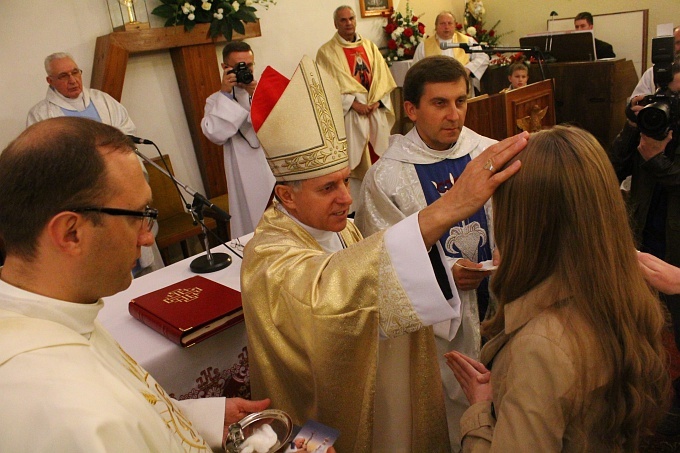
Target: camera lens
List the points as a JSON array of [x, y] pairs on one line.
[[244, 77], [654, 119]]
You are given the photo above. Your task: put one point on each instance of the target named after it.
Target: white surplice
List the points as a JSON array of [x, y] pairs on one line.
[[249, 180], [391, 192], [66, 385], [110, 111]]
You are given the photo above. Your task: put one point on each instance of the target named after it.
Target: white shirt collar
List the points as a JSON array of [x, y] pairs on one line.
[[78, 317], [328, 240], [78, 103]]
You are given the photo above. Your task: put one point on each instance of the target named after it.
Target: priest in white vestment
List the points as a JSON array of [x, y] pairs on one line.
[[66, 96], [340, 328], [73, 216], [475, 63], [365, 82], [226, 122], [415, 171]]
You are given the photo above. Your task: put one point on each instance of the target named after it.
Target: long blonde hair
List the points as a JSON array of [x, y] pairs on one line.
[[562, 216]]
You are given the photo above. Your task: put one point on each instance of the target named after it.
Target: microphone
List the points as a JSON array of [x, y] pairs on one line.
[[454, 45], [209, 262], [140, 141]]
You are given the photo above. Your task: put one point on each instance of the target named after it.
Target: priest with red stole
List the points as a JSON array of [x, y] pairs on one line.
[[365, 83]]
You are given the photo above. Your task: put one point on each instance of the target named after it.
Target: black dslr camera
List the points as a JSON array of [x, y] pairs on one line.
[[243, 74], [662, 109]]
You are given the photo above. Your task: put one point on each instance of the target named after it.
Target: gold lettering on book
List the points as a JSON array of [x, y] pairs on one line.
[[183, 295]]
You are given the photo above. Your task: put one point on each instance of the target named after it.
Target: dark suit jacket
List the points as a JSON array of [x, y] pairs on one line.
[[663, 169], [604, 49]]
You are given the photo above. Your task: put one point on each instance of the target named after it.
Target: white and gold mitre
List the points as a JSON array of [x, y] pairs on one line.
[[299, 122]]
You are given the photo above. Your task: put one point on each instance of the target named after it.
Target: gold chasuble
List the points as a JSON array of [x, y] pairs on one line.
[[432, 47], [331, 56], [313, 321]]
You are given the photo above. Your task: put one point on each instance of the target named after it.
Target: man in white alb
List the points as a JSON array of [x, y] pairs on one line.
[[74, 215], [227, 122], [417, 170]]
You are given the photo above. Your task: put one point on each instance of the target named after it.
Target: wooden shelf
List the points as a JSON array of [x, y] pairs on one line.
[[136, 41]]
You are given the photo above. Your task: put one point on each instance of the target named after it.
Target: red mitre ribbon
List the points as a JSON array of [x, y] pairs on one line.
[[269, 89]]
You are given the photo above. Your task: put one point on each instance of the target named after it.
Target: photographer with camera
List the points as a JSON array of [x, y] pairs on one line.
[[226, 122], [648, 149], [646, 83]]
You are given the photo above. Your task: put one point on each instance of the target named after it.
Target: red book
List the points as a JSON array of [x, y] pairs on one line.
[[189, 311]]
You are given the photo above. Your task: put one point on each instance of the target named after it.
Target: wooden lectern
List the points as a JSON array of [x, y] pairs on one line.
[[496, 116], [591, 95], [197, 70]]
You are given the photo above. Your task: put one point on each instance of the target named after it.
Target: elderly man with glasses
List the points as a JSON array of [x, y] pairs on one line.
[[67, 97]]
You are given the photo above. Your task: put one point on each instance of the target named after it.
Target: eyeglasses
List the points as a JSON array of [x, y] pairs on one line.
[[64, 76], [148, 215]]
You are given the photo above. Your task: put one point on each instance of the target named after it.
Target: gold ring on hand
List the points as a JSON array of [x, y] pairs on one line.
[[489, 166]]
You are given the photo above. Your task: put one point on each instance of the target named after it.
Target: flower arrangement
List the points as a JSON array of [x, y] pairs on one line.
[[500, 59], [474, 24], [482, 35], [504, 60], [404, 33], [224, 16], [474, 12]]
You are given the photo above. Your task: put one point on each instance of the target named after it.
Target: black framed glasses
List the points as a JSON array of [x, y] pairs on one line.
[[148, 215], [64, 76]]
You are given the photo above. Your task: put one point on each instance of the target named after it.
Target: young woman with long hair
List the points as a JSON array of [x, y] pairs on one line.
[[575, 356]]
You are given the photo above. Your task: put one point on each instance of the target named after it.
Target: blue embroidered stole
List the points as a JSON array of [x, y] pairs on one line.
[[469, 238]]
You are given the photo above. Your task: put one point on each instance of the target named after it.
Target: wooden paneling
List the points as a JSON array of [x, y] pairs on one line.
[[197, 71]]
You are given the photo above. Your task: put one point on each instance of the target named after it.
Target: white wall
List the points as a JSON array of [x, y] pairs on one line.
[[29, 31], [530, 16]]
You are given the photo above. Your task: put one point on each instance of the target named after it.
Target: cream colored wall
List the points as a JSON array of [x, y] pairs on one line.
[[530, 16], [29, 31]]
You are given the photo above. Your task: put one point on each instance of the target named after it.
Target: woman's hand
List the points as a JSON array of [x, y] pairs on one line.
[[473, 377]]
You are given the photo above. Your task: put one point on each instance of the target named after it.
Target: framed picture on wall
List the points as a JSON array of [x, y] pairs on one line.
[[371, 8]]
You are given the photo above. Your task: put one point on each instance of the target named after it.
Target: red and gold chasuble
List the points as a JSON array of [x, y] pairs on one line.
[[359, 65]]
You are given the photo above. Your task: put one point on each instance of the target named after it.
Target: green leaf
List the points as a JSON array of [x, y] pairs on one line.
[[164, 11], [237, 25], [245, 16], [203, 16], [226, 30], [189, 25], [214, 31]]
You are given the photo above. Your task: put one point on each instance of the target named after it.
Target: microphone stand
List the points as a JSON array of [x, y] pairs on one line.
[[480, 48], [210, 262]]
